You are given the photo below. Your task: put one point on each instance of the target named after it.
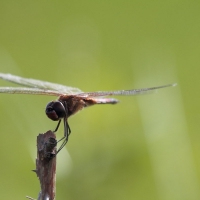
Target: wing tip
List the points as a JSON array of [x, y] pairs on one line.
[[174, 84]]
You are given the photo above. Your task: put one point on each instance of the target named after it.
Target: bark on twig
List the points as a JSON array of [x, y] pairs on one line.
[[46, 165]]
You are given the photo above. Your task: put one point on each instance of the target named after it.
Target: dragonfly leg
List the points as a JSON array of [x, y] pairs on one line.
[[67, 129], [57, 126], [67, 132]]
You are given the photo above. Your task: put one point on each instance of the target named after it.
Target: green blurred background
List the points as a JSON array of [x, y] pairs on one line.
[[146, 147]]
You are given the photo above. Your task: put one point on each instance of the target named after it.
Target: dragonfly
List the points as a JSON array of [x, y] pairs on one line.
[[70, 99]]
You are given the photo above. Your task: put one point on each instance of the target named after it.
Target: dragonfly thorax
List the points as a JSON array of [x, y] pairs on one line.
[[55, 110]]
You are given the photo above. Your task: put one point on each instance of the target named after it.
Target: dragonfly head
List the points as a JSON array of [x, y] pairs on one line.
[[55, 110]]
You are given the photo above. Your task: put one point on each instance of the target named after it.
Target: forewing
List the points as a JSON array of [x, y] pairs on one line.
[[123, 92], [23, 90], [33, 83]]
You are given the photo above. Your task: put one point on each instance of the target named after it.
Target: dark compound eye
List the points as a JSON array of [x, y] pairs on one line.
[[55, 110], [49, 109]]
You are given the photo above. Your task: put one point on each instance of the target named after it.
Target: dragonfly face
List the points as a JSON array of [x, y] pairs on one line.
[[55, 110], [70, 99]]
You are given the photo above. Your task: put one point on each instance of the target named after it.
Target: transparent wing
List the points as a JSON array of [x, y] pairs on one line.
[[123, 92], [23, 90], [40, 84], [47, 88]]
